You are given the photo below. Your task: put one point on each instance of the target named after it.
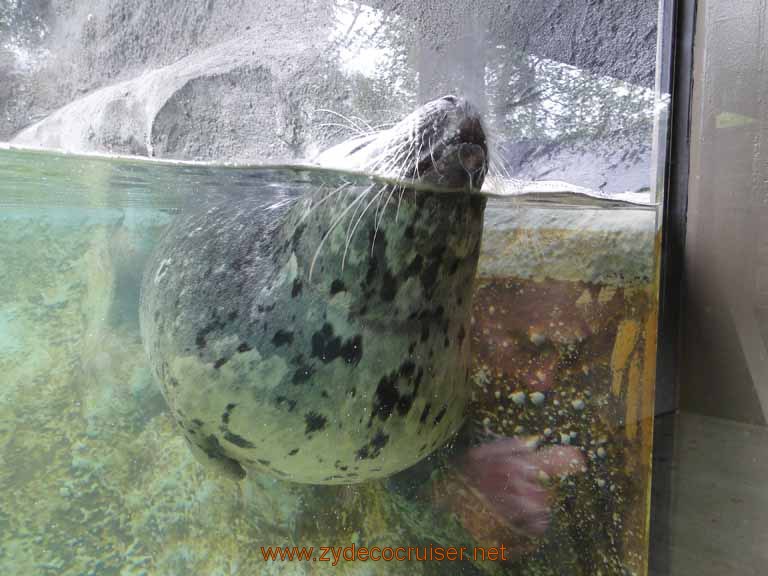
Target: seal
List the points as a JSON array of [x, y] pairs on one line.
[[323, 339]]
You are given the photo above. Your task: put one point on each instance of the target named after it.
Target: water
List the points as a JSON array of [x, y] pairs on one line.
[[96, 479]]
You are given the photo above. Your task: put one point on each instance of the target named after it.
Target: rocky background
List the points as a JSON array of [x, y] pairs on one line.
[[566, 85]]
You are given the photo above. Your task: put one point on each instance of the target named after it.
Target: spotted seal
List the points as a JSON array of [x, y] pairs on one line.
[[321, 340]]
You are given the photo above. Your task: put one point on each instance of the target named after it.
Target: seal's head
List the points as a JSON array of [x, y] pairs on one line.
[[440, 144]]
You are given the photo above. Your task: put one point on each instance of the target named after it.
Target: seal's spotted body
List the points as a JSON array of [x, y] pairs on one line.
[[343, 374]]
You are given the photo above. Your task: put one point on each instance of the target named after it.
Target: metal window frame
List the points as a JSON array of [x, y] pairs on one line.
[[677, 37], [675, 78]]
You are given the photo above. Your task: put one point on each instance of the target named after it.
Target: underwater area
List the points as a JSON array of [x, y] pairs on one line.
[[96, 477]]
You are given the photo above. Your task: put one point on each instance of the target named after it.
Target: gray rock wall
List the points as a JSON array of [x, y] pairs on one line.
[[244, 81]]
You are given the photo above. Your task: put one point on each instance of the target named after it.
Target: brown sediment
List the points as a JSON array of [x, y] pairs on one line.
[[589, 351]]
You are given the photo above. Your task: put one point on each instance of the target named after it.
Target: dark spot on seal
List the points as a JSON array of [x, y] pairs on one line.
[[352, 350], [425, 413], [379, 441], [409, 232], [296, 290], [370, 274], [424, 332], [303, 372], [293, 452], [282, 337], [440, 415], [429, 273], [374, 447], [263, 462], [327, 346], [414, 268], [296, 238], [404, 404], [219, 363], [388, 287], [302, 375], [232, 315], [407, 368], [461, 335], [385, 399], [227, 412], [244, 347], [337, 286], [314, 422], [291, 403], [237, 440], [197, 422]]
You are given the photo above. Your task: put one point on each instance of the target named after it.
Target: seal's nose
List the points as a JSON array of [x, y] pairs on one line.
[[450, 98], [472, 157]]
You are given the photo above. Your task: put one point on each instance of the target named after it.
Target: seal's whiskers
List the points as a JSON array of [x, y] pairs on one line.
[[432, 156], [359, 219], [314, 205], [381, 217], [351, 123], [333, 227], [354, 129]]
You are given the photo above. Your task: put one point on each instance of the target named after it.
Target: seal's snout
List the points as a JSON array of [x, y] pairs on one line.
[[471, 131], [473, 147], [472, 157], [451, 143]]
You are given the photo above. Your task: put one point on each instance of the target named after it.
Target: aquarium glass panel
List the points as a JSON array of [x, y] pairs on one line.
[[325, 285]]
